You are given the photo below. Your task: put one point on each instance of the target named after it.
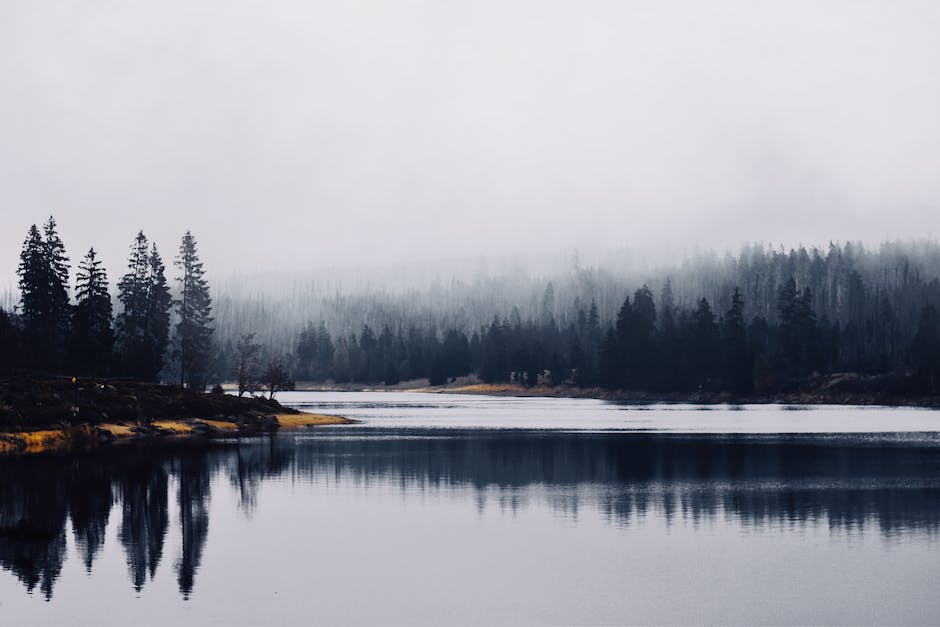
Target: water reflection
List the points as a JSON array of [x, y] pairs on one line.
[[887, 483]]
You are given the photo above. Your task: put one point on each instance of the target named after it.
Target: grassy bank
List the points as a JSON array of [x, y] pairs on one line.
[[817, 395], [41, 414], [836, 389], [85, 436]]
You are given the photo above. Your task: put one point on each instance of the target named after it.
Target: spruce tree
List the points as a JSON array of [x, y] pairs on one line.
[[194, 311], [737, 362], [159, 303], [58, 264], [925, 348], [10, 352], [43, 281], [133, 292], [92, 338], [143, 327], [703, 344], [33, 275]]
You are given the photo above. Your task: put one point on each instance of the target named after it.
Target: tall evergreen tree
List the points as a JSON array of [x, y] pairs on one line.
[[133, 292], [43, 281], [194, 311], [92, 338], [33, 275], [58, 263], [159, 303], [925, 348], [798, 332], [143, 326], [9, 343], [641, 355], [737, 362], [703, 343]]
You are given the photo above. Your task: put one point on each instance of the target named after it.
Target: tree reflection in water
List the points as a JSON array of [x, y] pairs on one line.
[[848, 482]]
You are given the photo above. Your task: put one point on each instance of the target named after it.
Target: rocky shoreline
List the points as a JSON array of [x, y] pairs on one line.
[[39, 414]]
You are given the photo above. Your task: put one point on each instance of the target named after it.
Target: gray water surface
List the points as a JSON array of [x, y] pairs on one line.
[[481, 510]]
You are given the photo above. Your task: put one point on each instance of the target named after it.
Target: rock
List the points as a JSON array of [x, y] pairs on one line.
[[204, 429]]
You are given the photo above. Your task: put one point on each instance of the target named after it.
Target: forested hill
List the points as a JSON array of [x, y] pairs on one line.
[[751, 322], [762, 321]]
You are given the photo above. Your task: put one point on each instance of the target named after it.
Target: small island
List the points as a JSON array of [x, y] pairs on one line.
[[48, 413]]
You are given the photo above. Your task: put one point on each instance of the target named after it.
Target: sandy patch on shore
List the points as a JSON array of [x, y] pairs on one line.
[[303, 420]]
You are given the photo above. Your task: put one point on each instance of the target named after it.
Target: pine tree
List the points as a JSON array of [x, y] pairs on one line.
[[143, 327], [33, 275], [10, 353], [159, 303], [737, 362], [133, 292], [704, 354], [642, 349], [797, 329], [925, 348], [92, 338], [43, 281], [194, 311], [58, 264]]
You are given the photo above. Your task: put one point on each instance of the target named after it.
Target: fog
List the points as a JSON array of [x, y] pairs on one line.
[[309, 134]]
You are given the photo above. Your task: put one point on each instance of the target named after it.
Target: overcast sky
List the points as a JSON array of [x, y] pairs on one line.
[[305, 134]]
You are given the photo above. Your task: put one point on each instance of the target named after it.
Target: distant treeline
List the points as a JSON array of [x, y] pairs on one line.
[[770, 319], [756, 323], [647, 348]]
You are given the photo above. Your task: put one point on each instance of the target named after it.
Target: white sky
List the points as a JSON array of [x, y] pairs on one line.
[[304, 134]]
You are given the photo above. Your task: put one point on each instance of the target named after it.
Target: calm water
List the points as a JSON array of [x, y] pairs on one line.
[[445, 509]]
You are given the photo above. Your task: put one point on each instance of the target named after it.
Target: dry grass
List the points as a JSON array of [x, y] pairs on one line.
[[301, 421], [221, 425], [50, 439], [178, 427], [41, 440], [118, 431], [487, 388]]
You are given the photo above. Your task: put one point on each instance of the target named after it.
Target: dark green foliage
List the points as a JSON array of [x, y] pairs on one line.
[[799, 338], [9, 343], [194, 312], [557, 373], [737, 362], [494, 365], [704, 355], [786, 317], [662, 349], [44, 302], [159, 303], [143, 326], [925, 348], [315, 352], [436, 374], [455, 354], [392, 376], [92, 338]]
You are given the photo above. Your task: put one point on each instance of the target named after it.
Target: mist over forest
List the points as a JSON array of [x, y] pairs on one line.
[[762, 320]]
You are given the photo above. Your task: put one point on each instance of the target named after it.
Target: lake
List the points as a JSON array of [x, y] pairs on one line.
[[481, 510]]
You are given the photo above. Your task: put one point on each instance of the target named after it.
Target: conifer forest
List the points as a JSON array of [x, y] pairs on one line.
[[762, 321]]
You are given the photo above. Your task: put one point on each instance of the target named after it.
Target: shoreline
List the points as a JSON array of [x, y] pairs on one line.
[[53, 413], [88, 435], [873, 398]]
